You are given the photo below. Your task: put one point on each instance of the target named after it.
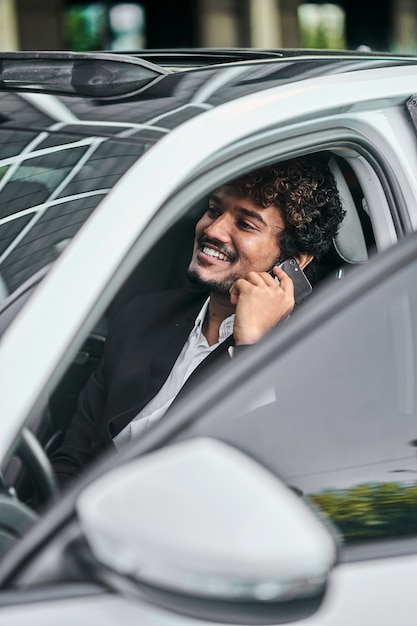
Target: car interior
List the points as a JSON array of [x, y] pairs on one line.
[[27, 473]]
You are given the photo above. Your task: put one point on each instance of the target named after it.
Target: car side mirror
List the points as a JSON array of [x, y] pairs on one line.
[[208, 531]]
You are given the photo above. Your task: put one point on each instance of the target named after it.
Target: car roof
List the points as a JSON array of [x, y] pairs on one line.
[[159, 88]]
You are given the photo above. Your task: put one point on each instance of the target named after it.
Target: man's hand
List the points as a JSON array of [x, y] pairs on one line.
[[260, 304]]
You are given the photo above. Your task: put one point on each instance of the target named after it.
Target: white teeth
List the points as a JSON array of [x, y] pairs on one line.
[[215, 253]]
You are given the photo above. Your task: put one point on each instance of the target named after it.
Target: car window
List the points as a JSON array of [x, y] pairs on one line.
[[75, 173], [165, 266], [336, 416], [50, 182]]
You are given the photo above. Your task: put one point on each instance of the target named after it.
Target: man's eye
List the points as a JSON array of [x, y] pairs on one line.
[[212, 212], [246, 225]]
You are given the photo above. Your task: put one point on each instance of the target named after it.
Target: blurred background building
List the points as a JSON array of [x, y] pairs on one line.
[[123, 25]]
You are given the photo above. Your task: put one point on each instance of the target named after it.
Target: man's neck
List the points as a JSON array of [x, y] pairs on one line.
[[219, 309]]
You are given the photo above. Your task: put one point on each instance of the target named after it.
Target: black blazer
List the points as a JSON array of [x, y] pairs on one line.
[[140, 352]]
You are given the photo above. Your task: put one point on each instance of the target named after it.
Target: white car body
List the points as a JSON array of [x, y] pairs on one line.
[[357, 114]]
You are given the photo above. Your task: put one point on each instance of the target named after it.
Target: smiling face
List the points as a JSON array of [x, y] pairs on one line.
[[234, 237]]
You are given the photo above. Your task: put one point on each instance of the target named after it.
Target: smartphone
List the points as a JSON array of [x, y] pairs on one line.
[[302, 286]]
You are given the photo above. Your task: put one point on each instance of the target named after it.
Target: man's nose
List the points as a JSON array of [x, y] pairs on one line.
[[220, 228]]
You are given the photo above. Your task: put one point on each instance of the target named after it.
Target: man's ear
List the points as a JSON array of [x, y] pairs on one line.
[[304, 259]]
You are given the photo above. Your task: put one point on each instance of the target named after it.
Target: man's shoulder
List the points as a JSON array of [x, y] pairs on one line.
[[161, 307], [185, 295], [157, 310]]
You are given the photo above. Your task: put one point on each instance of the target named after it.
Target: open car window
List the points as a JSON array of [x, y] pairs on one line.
[[163, 267]]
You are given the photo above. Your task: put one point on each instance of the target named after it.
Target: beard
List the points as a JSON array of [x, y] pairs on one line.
[[219, 286], [214, 286]]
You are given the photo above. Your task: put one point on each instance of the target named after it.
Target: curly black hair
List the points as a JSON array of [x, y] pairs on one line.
[[304, 189]]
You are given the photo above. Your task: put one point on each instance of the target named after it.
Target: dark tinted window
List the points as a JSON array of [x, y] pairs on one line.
[[336, 416]]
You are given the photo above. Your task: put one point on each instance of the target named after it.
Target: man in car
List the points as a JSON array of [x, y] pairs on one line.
[[161, 343]]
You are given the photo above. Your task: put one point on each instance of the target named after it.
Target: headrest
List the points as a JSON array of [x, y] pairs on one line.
[[350, 242]]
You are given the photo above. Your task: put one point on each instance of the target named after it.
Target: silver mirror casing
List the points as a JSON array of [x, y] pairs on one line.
[[202, 518]]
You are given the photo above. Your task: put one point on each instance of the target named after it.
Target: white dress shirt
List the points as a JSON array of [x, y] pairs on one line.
[[194, 351]]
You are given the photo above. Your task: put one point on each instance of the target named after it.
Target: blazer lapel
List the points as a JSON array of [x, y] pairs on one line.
[[169, 341]]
